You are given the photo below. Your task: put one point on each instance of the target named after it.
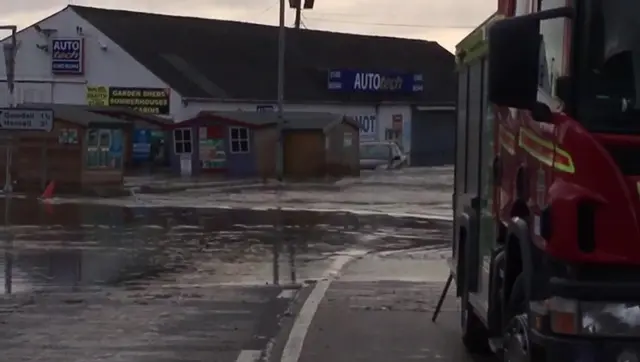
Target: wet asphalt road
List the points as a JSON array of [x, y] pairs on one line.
[[121, 282], [379, 309]]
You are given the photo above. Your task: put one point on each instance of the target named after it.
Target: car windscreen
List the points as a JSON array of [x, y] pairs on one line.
[[374, 151]]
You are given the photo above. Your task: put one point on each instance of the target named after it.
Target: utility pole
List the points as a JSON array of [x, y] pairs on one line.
[[298, 14], [281, 53]]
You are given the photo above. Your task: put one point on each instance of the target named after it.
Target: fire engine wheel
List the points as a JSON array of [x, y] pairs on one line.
[[516, 340]]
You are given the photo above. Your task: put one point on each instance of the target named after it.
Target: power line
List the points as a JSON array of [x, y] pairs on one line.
[[264, 11], [398, 25]]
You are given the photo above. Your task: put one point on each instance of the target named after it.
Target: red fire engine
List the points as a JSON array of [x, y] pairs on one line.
[[546, 247]]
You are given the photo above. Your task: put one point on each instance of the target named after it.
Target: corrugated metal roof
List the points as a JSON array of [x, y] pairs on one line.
[[293, 120], [74, 114], [129, 112]]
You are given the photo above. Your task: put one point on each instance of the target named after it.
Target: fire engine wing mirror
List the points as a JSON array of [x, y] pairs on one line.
[[514, 58]]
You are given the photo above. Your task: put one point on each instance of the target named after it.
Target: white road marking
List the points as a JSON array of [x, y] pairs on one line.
[[286, 294], [249, 356], [293, 348]]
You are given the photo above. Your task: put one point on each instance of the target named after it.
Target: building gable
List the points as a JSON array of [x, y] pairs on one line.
[[102, 63]]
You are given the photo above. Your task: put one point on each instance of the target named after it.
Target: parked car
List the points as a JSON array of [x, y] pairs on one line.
[[381, 154]]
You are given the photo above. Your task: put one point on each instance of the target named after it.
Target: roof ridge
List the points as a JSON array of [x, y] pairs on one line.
[[187, 17]]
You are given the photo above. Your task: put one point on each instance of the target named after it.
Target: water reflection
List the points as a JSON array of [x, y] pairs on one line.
[[74, 246]]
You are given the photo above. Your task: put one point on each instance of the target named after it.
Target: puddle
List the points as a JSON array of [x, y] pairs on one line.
[[75, 246]]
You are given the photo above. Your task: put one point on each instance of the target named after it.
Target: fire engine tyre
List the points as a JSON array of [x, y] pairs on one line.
[[475, 336], [517, 302], [516, 340]]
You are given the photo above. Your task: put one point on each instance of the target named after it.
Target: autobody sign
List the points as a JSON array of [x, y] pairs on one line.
[[67, 56], [375, 82]]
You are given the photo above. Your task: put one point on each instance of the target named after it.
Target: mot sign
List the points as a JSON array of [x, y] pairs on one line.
[[368, 127], [22, 119]]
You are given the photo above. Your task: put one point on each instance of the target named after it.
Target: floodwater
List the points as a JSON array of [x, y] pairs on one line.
[[78, 246], [202, 275], [419, 191]]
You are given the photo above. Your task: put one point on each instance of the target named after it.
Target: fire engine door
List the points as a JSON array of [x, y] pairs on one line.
[[486, 224]]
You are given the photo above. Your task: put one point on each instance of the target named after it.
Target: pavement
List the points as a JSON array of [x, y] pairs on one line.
[[184, 277], [378, 308]]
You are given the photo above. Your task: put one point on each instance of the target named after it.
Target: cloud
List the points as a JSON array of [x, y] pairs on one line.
[[443, 21]]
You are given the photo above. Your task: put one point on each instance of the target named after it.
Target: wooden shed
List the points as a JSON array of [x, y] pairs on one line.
[[244, 144], [316, 145], [84, 150]]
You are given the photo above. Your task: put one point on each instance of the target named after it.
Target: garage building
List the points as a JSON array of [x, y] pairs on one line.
[[176, 67]]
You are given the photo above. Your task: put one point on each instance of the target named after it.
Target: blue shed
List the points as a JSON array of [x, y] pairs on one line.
[[218, 143]]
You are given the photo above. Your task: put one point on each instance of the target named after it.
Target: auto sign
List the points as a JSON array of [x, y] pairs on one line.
[[67, 56]]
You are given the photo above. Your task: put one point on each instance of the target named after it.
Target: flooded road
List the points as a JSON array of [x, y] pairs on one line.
[[101, 282], [424, 192], [75, 245]]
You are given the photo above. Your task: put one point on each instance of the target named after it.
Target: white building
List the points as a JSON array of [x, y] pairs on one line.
[[176, 66]]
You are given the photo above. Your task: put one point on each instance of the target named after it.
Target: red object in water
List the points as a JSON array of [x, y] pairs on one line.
[[48, 208], [48, 192]]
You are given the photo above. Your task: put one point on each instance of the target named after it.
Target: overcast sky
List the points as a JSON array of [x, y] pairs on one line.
[[443, 21]]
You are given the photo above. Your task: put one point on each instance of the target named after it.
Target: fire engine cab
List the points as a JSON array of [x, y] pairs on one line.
[[546, 246]]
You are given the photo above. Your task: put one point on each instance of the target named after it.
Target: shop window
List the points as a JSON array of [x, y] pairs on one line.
[[104, 148], [239, 139], [182, 140]]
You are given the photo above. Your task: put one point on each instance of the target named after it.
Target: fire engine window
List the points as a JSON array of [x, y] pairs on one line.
[[553, 60]]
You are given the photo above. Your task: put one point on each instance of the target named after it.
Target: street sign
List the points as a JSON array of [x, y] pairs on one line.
[[21, 119]]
